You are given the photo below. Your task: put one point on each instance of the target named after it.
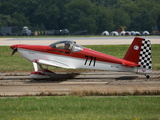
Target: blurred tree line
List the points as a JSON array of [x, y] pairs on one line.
[[93, 15]]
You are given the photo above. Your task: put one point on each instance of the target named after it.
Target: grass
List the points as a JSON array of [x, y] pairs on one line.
[[156, 57], [18, 64], [80, 108], [85, 91]]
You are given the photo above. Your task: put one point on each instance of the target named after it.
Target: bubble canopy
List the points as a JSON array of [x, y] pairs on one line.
[[67, 45]]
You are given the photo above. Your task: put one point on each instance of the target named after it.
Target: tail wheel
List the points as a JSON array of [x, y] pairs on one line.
[[147, 76]]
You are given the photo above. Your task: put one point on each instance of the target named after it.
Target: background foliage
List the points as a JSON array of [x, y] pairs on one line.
[[93, 15]]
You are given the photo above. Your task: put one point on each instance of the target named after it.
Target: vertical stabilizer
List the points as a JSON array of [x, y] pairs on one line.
[[140, 53], [133, 52]]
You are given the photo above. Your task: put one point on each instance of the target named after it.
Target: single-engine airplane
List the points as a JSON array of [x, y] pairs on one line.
[[68, 54]]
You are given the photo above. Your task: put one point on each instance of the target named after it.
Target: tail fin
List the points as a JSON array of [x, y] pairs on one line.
[[140, 53]]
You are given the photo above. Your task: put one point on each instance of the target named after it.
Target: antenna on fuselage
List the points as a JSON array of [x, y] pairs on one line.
[[20, 42]]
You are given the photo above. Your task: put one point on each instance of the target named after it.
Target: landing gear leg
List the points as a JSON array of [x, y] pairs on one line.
[[41, 68], [35, 66], [147, 76], [39, 74]]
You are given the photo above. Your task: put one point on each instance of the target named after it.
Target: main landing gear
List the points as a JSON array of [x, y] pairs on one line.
[[46, 74], [41, 73]]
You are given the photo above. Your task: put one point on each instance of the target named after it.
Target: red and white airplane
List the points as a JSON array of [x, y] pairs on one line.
[[68, 54]]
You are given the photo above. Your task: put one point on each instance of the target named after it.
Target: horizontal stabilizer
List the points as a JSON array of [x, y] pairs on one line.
[[129, 64]]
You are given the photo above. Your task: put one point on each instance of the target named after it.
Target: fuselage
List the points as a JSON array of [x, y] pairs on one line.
[[84, 59], [67, 54]]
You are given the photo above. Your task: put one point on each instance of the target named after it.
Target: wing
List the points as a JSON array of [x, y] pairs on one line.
[[52, 63]]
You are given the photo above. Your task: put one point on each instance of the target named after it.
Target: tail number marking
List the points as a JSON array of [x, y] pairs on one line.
[[91, 59]]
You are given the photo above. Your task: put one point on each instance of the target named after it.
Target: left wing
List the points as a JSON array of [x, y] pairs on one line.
[[51, 63]]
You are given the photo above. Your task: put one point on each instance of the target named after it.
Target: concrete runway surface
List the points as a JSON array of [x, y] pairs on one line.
[[22, 84], [79, 40]]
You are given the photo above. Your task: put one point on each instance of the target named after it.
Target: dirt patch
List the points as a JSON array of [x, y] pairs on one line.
[[90, 83]]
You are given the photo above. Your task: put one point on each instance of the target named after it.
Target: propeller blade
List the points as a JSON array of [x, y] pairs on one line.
[[14, 50]]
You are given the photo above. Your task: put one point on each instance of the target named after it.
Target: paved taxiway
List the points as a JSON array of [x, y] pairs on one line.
[[23, 84], [79, 40]]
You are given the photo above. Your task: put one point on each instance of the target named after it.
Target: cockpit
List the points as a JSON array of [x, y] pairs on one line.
[[67, 45]]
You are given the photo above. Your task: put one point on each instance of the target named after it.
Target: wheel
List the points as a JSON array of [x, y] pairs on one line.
[[147, 76]]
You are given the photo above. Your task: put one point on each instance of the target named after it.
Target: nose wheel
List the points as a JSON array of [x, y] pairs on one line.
[[147, 76]]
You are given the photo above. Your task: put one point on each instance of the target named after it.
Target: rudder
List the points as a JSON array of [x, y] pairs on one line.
[[145, 60]]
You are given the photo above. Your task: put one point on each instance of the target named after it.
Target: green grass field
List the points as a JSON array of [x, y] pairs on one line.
[[18, 64], [80, 108]]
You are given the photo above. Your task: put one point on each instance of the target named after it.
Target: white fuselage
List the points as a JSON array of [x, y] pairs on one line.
[[72, 62]]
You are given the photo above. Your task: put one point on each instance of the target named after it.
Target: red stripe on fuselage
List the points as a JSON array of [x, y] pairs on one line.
[[82, 54]]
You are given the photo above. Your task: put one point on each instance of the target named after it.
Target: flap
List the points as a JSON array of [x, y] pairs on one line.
[[53, 63]]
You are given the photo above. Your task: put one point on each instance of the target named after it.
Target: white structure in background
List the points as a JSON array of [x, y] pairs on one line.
[[114, 33], [127, 33], [137, 33], [132, 32], [123, 33], [105, 33], [146, 33]]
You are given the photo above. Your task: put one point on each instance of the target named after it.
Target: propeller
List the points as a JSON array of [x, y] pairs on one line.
[[14, 50]]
